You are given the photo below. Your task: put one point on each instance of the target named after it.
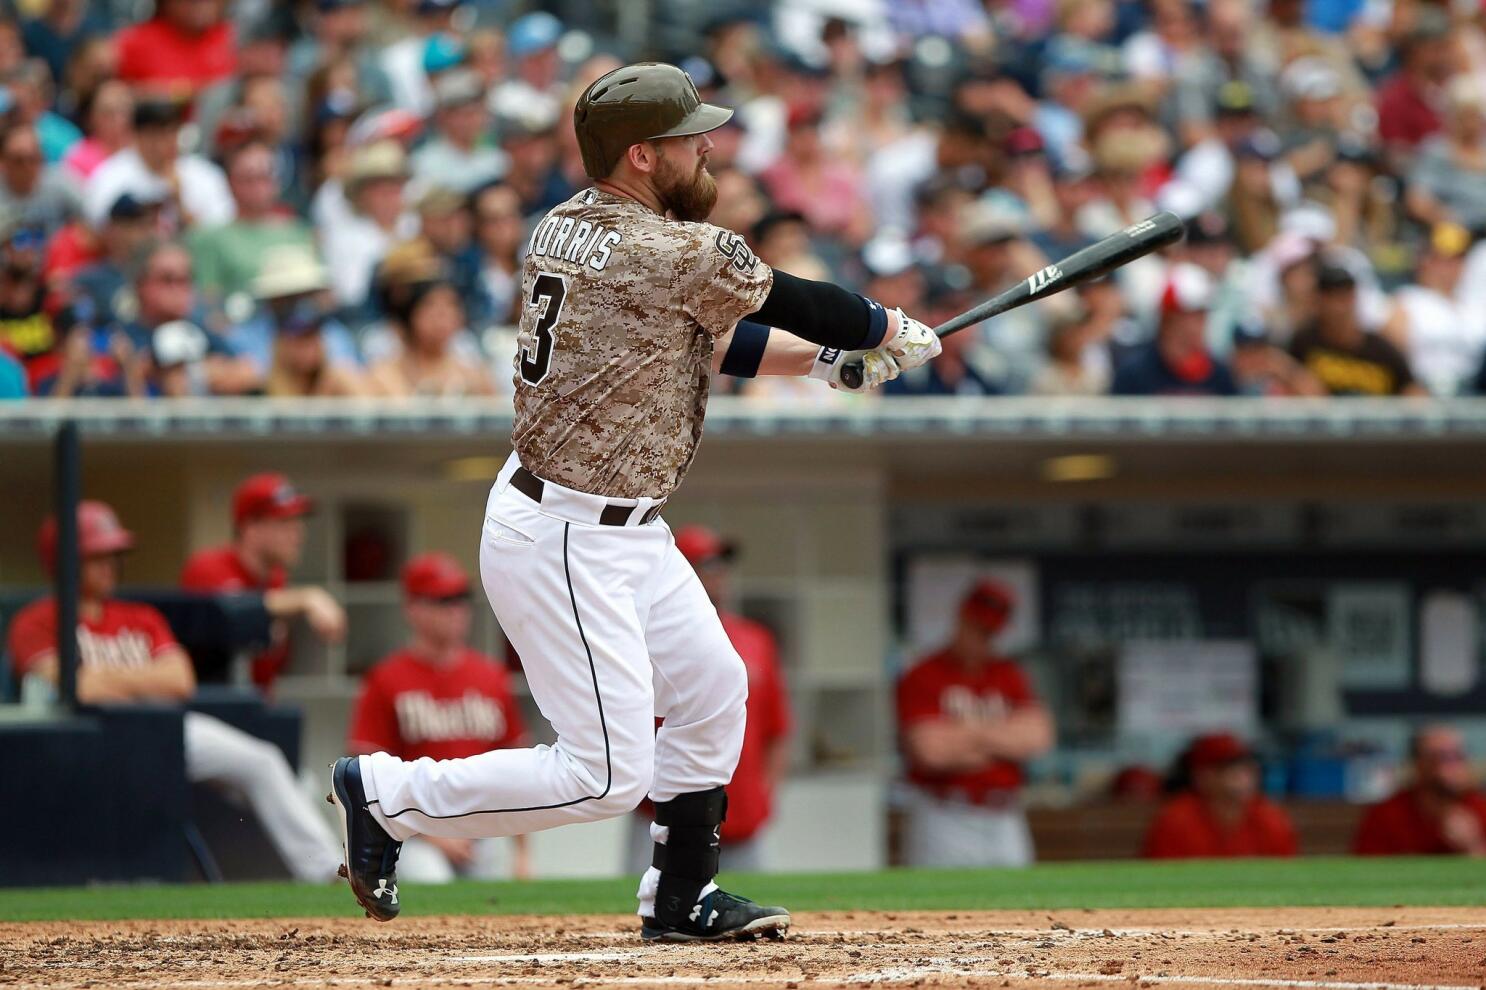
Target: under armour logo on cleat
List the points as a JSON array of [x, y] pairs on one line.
[[382, 888], [696, 912]]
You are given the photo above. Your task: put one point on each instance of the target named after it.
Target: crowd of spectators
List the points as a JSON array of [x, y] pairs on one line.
[[332, 197]]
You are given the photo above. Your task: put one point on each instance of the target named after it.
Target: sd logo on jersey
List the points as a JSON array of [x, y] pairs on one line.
[[733, 246]]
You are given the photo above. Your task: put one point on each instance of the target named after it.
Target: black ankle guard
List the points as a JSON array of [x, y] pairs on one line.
[[687, 860]]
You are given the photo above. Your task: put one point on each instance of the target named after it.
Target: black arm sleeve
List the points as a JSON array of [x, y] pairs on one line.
[[822, 313]]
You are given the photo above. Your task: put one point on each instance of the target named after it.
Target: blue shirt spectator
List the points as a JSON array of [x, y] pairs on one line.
[[1178, 361], [12, 378]]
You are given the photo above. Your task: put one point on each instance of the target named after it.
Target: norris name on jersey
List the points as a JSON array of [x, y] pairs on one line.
[[578, 241]]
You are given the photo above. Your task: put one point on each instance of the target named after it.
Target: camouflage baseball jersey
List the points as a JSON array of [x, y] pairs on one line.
[[614, 355]]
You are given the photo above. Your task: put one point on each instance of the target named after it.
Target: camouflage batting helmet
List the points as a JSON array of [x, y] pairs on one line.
[[638, 103]]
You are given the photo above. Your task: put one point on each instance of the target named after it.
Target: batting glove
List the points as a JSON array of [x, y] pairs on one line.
[[913, 344], [878, 366]]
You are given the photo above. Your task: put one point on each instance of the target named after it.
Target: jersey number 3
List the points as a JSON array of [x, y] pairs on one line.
[[547, 295]]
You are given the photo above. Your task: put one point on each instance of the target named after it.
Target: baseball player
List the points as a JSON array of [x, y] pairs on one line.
[[439, 698], [127, 654], [967, 720], [631, 300], [268, 536]]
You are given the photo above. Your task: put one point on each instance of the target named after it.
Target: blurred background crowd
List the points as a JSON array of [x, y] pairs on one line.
[[332, 197]]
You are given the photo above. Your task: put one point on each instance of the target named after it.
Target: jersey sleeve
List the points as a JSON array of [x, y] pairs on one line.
[[777, 714], [918, 697], [374, 719], [199, 574], [1169, 835], [722, 280], [31, 637], [1374, 835], [1280, 838]]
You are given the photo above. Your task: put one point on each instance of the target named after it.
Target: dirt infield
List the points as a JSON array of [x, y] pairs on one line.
[[1317, 948]]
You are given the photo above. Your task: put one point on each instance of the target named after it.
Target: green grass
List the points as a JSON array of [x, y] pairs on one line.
[[1251, 883]]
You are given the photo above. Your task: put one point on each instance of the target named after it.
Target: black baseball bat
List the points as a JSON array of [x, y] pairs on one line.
[[1135, 241]]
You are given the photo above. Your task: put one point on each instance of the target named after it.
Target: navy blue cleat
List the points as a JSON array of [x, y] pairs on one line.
[[371, 854], [718, 917]]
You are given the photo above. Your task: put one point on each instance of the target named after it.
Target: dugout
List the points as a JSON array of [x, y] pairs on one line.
[[1323, 533]]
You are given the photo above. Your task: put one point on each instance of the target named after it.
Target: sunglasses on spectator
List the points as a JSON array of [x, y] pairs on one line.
[[170, 276], [1452, 755], [24, 158], [460, 599]]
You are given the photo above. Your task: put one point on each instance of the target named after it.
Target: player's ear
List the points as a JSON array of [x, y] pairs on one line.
[[643, 157]]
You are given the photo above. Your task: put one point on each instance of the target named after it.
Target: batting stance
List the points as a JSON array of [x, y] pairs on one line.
[[632, 300]]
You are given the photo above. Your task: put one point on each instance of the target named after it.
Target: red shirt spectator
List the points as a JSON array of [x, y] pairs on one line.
[[941, 686], [220, 569], [1185, 828], [751, 791], [437, 697], [119, 634], [1405, 116], [268, 514], [126, 651], [186, 45], [1441, 814], [1222, 813], [412, 707], [765, 755], [1406, 102], [1404, 825], [967, 719]]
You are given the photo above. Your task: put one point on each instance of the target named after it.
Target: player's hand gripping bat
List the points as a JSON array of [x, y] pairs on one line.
[[1135, 241]]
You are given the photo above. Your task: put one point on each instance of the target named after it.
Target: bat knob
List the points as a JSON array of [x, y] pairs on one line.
[[851, 375]]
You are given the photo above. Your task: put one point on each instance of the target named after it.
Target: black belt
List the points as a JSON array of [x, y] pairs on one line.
[[614, 514]]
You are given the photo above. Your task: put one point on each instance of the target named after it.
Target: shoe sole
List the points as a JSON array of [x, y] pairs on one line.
[[343, 817], [773, 926]]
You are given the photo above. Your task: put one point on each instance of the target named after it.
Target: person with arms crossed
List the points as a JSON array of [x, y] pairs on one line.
[[967, 720], [127, 654], [268, 526], [632, 300], [439, 699]]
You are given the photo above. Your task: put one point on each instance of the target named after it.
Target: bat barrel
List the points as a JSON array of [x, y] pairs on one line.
[[1118, 249]]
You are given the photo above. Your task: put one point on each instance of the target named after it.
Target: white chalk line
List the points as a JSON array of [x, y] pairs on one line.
[[880, 977], [891, 975]]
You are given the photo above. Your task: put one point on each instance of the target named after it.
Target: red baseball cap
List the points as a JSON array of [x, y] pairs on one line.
[[1217, 749], [98, 532], [700, 545], [268, 496], [988, 604], [1189, 289], [434, 575]]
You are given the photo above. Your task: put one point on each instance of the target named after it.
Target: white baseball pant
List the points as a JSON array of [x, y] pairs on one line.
[[256, 771], [613, 629]]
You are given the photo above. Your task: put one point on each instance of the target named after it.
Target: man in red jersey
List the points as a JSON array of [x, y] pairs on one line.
[[127, 654], [440, 699], [1441, 813], [187, 45], [967, 720], [765, 756], [268, 520], [1220, 812]]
